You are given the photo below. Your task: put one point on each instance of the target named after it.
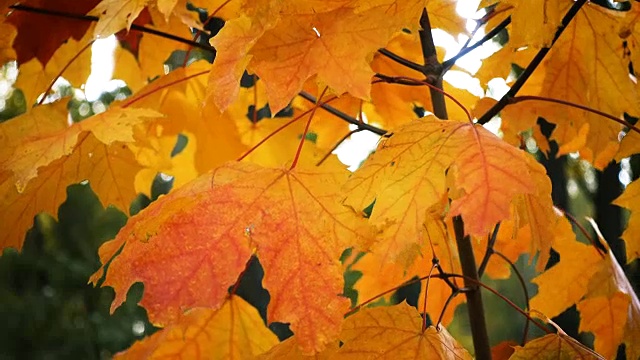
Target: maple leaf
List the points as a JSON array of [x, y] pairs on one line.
[[60, 155], [290, 218], [407, 175], [73, 56], [607, 302], [235, 330], [629, 200], [31, 42], [319, 45], [395, 332], [289, 349], [584, 67], [553, 346]]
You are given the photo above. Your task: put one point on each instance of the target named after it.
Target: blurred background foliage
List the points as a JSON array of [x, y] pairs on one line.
[[50, 312]]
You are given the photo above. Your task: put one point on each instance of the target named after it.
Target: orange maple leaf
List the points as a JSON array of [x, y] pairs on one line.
[[320, 44], [205, 232]]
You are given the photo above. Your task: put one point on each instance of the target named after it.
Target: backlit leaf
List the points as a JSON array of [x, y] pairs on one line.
[[291, 219], [234, 331], [395, 332]]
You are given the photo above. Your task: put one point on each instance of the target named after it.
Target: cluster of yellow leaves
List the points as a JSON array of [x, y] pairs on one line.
[[190, 246]]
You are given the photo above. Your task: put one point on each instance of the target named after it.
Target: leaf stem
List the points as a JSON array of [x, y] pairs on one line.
[[326, 156], [53, 81], [479, 334], [136, 98], [522, 98], [279, 129], [306, 129], [528, 71], [523, 285]]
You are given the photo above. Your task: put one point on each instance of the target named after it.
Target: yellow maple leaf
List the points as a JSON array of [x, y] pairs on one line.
[[395, 332], [597, 284], [407, 175], [73, 56], [235, 330], [556, 347], [60, 155], [629, 200], [584, 67]]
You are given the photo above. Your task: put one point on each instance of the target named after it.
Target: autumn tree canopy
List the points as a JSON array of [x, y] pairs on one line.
[[263, 93]]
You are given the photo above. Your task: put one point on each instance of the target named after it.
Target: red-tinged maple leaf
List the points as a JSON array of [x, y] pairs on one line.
[[554, 347], [395, 332], [39, 35], [234, 331], [43, 157], [205, 232], [408, 174]]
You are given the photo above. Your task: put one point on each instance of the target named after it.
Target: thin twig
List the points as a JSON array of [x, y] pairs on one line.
[[448, 64], [522, 98], [351, 120], [403, 80], [402, 61], [523, 285], [326, 156], [487, 254], [528, 71]]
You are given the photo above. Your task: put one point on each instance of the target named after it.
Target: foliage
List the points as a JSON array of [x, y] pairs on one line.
[[242, 103]]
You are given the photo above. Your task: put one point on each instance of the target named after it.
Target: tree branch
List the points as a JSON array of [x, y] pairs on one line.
[[432, 67], [447, 64], [479, 333], [489, 251], [504, 101], [351, 120], [402, 61]]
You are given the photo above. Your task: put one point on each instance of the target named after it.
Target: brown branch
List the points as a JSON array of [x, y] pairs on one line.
[[402, 61], [447, 64], [489, 251], [481, 344], [528, 71], [433, 68], [350, 119]]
